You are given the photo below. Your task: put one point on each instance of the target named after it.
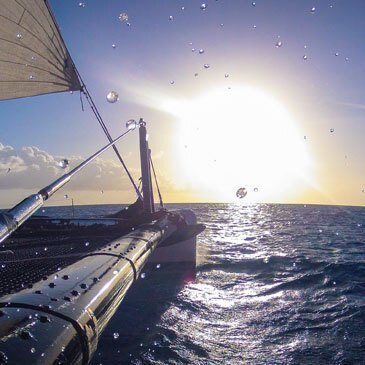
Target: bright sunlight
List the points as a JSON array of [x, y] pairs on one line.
[[240, 138]]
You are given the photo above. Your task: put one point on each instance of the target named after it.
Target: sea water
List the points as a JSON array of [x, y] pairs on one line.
[[275, 284]]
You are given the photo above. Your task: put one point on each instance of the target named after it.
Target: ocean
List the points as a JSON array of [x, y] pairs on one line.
[[275, 284]]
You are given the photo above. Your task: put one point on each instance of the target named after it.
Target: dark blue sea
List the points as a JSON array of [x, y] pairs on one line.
[[275, 284]]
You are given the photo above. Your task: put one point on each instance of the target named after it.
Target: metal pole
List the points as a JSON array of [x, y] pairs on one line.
[[145, 170], [13, 218]]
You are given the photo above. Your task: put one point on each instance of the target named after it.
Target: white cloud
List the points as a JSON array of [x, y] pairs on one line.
[[33, 168]]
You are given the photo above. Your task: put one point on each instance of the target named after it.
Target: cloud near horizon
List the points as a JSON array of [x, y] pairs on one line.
[[32, 168]]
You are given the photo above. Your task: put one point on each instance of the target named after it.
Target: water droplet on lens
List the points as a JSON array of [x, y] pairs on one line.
[[87, 244], [193, 50], [171, 18], [196, 74], [115, 272], [115, 335], [114, 46], [201, 51], [31, 77], [65, 196], [143, 275], [131, 124], [32, 350], [347, 59], [203, 6], [313, 10], [123, 17], [112, 97], [172, 82], [253, 3], [158, 266], [63, 163], [241, 193], [279, 44], [82, 5], [183, 8], [332, 130], [19, 36], [226, 75], [305, 57], [255, 190], [337, 54], [206, 65]]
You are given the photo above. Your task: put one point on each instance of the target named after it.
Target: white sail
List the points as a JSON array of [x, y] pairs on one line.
[[33, 57]]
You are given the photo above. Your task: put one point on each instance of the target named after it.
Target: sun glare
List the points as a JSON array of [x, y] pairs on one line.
[[240, 138]]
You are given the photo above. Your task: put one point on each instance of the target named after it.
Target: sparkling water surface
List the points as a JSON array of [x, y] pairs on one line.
[[276, 284]]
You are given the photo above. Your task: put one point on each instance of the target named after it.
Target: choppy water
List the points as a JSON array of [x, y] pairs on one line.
[[277, 284]]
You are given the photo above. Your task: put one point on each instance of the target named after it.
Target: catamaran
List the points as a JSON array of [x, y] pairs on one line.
[[62, 279]]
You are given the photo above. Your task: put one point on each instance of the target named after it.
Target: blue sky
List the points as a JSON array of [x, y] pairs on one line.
[[153, 63]]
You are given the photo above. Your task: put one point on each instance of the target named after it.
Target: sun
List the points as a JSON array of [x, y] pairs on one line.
[[228, 139]]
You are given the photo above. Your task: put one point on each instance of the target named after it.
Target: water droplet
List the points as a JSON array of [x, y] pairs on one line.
[[203, 6], [253, 3], [255, 190], [305, 137], [313, 10], [87, 244], [112, 97], [347, 59], [19, 36], [131, 124], [114, 45], [3, 266], [143, 275], [63, 163], [65, 196], [254, 26], [320, 230], [32, 350], [196, 74], [171, 18], [206, 65], [305, 57], [82, 5], [172, 82], [226, 75], [241, 193], [193, 50], [115, 272], [123, 17], [158, 266], [332, 130], [128, 24], [221, 24], [183, 8], [337, 54], [31, 77], [279, 44], [201, 51], [115, 335]]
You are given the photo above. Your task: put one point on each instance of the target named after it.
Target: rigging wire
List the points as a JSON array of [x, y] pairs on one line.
[[95, 110], [93, 106], [158, 188]]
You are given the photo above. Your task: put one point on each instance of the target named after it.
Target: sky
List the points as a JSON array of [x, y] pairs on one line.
[[267, 96]]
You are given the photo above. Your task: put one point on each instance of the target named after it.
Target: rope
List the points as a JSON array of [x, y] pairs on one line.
[[158, 188], [105, 130]]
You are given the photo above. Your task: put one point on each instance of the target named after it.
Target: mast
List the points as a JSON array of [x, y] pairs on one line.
[[148, 204]]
